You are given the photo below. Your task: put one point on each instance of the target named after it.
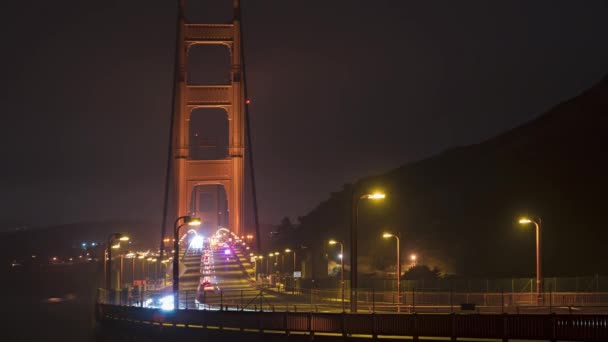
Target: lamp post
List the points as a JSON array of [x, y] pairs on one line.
[[190, 221], [131, 255], [109, 246], [276, 262], [143, 271], [333, 242], [288, 250], [255, 265], [537, 223], [356, 198], [387, 236]]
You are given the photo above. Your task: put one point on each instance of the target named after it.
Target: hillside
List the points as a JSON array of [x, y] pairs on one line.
[[458, 209], [65, 240]]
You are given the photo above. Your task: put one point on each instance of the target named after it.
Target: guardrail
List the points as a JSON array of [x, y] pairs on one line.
[[499, 326]]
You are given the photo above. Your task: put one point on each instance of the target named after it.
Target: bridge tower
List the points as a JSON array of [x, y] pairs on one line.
[[228, 172]]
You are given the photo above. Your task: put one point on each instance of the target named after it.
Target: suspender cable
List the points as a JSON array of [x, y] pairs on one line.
[[248, 136], [180, 14]]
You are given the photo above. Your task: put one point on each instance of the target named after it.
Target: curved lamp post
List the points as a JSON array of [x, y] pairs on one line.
[[536, 222], [353, 243], [188, 221], [388, 236]]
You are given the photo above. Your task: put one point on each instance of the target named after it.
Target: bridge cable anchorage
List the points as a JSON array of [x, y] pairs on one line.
[[179, 16], [239, 15]]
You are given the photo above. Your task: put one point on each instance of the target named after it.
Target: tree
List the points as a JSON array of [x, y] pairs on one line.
[[422, 272]]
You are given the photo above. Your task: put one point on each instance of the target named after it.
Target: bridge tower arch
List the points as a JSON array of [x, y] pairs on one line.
[[229, 171]]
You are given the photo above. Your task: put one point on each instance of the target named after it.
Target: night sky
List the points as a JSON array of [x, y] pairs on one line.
[[340, 90]]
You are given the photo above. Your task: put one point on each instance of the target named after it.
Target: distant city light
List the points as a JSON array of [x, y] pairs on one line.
[[227, 252]]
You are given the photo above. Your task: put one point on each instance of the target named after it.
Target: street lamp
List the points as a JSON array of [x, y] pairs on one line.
[[353, 241], [388, 236], [537, 223], [276, 262], [287, 250], [270, 255], [112, 238], [188, 221], [333, 242], [413, 257]]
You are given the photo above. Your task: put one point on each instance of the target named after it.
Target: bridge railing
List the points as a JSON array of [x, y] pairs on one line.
[[532, 327], [268, 299]]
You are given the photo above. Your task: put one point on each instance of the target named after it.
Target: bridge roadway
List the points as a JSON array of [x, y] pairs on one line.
[[232, 277]]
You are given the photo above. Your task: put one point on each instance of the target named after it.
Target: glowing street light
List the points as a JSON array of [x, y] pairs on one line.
[[414, 257], [537, 222], [388, 236], [333, 242], [374, 196], [356, 198]]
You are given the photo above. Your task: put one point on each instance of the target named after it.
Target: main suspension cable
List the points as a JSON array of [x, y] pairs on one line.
[[248, 136]]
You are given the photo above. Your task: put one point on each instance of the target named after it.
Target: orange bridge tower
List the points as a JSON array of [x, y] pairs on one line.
[[191, 174]]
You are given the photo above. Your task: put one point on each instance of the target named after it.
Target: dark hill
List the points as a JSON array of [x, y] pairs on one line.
[[64, 240], [458, 210]]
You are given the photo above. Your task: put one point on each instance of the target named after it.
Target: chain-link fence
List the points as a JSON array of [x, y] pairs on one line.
[[556, 284], [368, 300]]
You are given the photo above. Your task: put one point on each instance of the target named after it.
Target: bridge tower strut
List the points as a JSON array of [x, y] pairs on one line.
[[230, 171]]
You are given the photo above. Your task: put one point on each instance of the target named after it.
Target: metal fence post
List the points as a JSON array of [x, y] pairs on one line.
[[221, 300], [374, 327], [311, 332], [286, 322], [451, 300], [373, 299], [502, 300], [415, 330], [413, 299], [343, 325], [505, 325], [550, 300], [453, 326], [553, 327]]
